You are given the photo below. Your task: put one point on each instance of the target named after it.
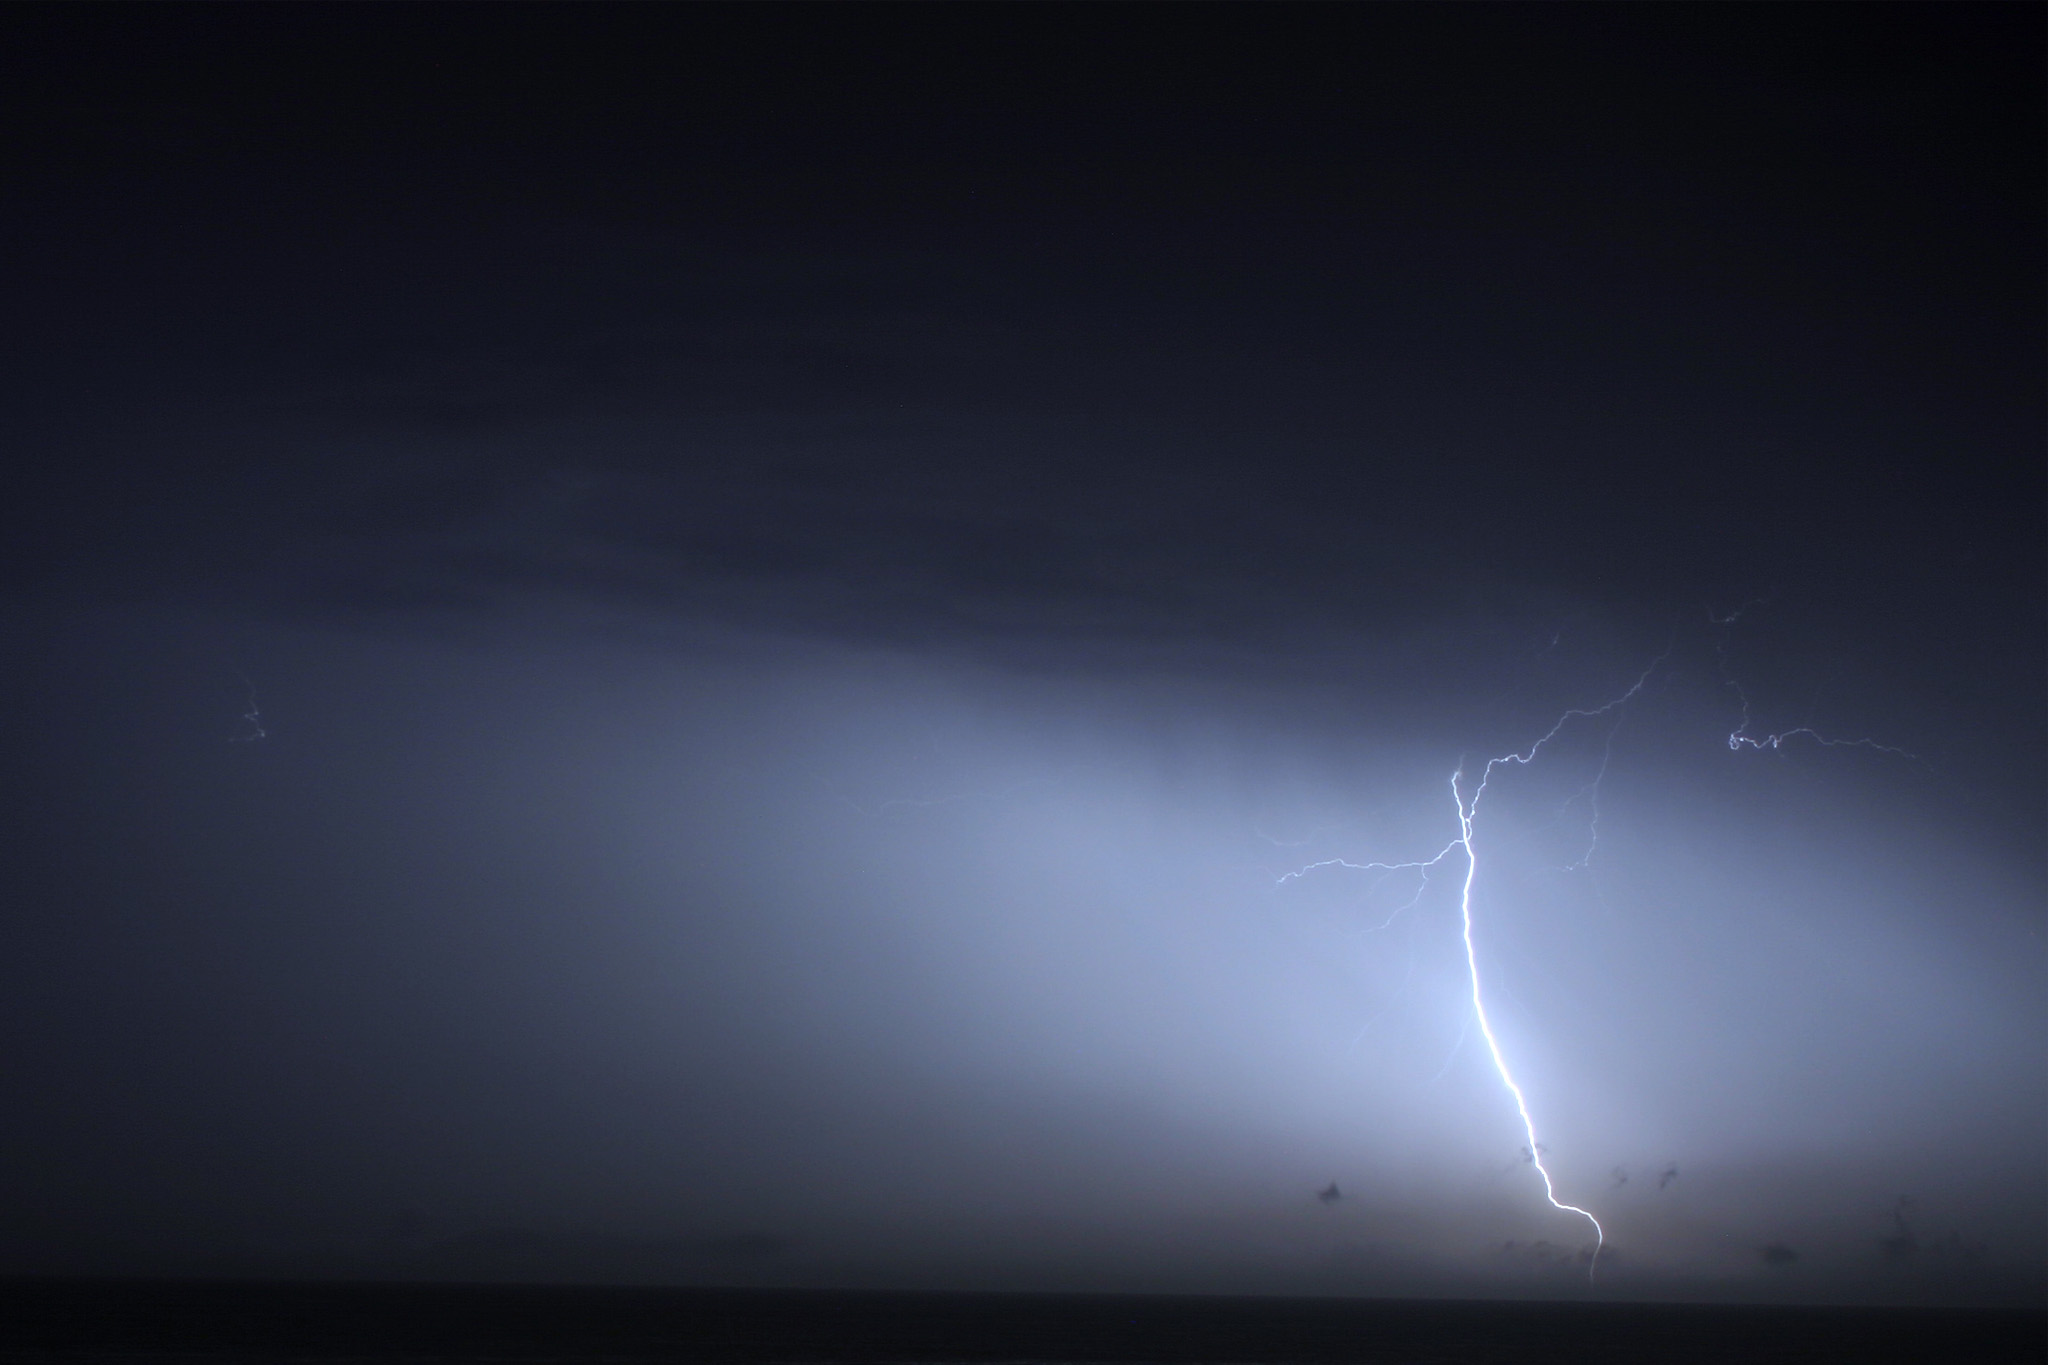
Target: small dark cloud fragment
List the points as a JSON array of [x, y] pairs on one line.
[[1540, 1250], [1330, 1194], [1778, 1256], [1901, 1244], [1955, 1254]]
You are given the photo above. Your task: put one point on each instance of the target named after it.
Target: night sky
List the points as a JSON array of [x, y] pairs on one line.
[[693, 645]]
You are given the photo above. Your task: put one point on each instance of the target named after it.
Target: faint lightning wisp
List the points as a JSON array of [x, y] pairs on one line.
[[1740, 738], [253, 717]]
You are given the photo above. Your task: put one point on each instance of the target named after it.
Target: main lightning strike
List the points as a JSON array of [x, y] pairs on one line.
[[1468, 812], [1465, 842]]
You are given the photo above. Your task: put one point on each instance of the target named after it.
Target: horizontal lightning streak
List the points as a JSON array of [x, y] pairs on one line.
[[1421, 886], [1739, 740]]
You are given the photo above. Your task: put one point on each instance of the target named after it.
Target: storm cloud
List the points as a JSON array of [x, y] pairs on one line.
[[720, 680]]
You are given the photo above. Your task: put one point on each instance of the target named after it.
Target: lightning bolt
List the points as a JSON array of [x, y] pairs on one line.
[[1468, 814], [1468, 791], [1466, 842]]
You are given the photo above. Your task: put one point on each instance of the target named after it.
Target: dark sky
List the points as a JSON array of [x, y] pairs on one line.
[[692, 644]]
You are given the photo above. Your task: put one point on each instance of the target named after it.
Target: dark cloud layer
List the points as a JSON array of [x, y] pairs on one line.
[[804, 575]]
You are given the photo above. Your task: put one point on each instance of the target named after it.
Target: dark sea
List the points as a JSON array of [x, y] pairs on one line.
[[214, 1323]]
